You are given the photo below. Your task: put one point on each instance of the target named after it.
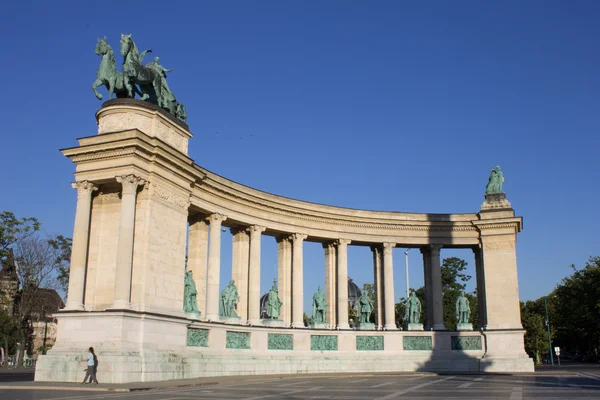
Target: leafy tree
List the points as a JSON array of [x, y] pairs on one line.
[[13, 229], [62, 247], [8, 334], [536, 339], [454, 280]]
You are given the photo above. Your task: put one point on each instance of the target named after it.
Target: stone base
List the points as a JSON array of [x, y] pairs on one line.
[[193, 315], [366, 326], [273, 322], [495, 202], [232, 320], [414, 327], [319, 325], [464, 327]]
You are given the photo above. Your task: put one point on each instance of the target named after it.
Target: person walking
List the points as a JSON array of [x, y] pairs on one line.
[[91, 367]]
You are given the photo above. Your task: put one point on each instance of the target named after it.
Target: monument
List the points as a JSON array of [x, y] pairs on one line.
[[365, 309], [412, 314], [273, 308], [146, 214], [463, 313]]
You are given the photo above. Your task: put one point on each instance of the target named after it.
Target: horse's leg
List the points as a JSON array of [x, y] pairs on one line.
[[97, 83], [157, 89], [128, 86], [112, 83]]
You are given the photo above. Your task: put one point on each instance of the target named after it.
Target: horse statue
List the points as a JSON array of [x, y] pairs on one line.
[[107, 73], [147, 78]]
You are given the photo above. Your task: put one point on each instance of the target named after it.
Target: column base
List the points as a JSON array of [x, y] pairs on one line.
[[255, 322], [390, 327], [343, 326], [298, 324], [212, 318], [439, 327], [73, 307]]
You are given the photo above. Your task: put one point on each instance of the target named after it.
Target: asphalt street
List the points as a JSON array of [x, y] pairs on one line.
[[553, 384]]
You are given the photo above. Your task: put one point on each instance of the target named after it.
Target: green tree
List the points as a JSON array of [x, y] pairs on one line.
[[8, 334], [13, 229], [62, 248], [536, 339], [454, 280]]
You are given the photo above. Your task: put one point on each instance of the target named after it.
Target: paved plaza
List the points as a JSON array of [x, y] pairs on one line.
[[556, 384]]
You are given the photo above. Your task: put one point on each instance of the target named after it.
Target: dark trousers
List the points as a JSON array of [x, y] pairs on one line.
[[90, 373]]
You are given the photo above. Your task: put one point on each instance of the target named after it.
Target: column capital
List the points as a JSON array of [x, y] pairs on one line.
[[388, 245], [216, 218], [375, 247], [130, 183], [282, 238], [328, 245], [435, 248], [84, 188], [298, 237], [255, 229], [343, 242]]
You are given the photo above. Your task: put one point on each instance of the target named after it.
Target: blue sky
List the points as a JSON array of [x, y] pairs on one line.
[[387, 105]]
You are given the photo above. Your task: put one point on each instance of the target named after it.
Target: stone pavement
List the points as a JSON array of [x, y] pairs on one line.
[[552, 384]]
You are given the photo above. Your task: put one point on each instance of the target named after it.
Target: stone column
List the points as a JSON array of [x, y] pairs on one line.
[[297, 281], [214, 266], [480, 276], [198, 257], [378, 286], [342, 283], [254, 275], [240, 259], [130, 185], [79, 247], [388, 287], [284, 278], [330, 283], [436, 288], [427, 283]]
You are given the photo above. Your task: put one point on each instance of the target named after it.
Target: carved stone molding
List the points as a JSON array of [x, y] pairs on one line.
[[130, 183], [298, 237], [255, 230], [102, 155], [343, 242], [84, 188], [435, 248], [497, 246], [169, 197], [216, 218], [388, 245]]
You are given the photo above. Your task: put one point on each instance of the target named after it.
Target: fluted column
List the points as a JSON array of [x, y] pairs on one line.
[[342, 283], [378, 286], [198, 257], [388, 287], [436, 288], [297, 281], [254, 275], [214, 266], [284, 277], [79, 247], [130, 184], [330, 283]]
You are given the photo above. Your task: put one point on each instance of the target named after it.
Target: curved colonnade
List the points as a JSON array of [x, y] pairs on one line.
[[140, 196]]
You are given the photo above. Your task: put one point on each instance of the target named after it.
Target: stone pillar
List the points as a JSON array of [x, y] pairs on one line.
[[330, 283], [198, 257], [254, 275], [129, 185], [214, 266], [378, 286], [480, 276], [427, 284], [297, 281], [342, 283], [240, 258], [284, 278], [498, 234], [436, 288], [79, 247], [388, 287]]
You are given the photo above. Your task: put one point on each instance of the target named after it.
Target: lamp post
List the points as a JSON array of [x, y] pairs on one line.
[[406, 266], [548, 326]]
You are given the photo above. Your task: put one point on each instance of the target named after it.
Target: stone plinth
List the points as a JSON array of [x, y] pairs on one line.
[[495, 201], [194, 315], [232, 320], [414, 327], [319, 325], [464, 327], [273, 322], [125, 114], [365, 326]]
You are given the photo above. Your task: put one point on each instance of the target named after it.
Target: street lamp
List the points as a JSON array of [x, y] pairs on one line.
[[406, 265], [548, 326]]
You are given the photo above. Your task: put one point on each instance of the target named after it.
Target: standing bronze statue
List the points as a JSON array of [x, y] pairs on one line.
[[148, 81], [319, 308]]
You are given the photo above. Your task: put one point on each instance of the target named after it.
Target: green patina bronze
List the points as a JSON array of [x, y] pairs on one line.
[[466, 342], [369, 343], [495, 182], [197, 337], [273, 303], [323, 342], [365, 309], [417, 343], [413, 309], [237, 340], [190, 303], [463, 309], [148, 81], [229, 301], [319, 307], [280, 341]]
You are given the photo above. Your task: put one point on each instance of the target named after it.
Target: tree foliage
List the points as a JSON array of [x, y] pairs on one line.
[[536, 338], [13, 229]]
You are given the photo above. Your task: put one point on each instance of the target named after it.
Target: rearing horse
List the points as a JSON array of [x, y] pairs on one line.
[[136, 73]]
